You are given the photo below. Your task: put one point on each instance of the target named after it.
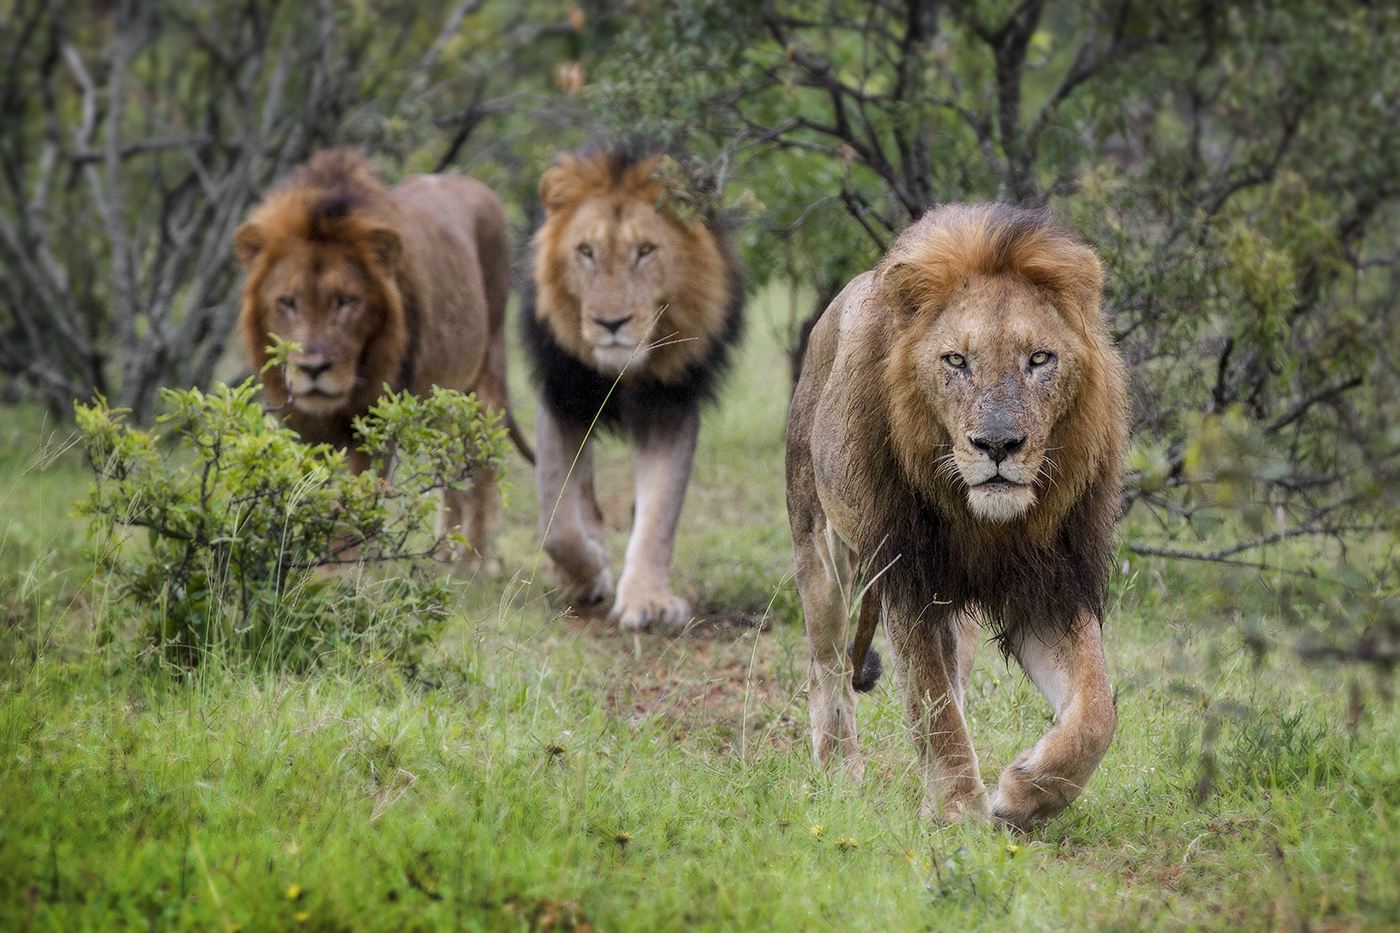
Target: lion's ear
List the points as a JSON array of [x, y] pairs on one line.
[[906, 287], [385, 246], [1078, 278], [1089, 287], [248, 241], [560, 186]]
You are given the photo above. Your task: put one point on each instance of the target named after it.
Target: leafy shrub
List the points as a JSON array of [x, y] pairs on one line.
[[243, 519]]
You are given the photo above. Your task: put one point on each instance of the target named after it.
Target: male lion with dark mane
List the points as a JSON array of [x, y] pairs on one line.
[[634, 311], [404, 288], [954, 461]]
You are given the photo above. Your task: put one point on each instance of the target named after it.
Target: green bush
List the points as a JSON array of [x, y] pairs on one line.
[[243, 520]]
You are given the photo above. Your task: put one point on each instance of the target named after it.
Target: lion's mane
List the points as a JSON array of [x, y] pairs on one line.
[[707, 310], [938, 557]]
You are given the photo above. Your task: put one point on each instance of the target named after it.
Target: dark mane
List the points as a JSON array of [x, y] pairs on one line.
[[336, 183], [580, 393], [936, 563]]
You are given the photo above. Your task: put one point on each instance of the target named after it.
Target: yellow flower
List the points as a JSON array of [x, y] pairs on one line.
[[847, 844], [301, 916], [622, 837], [1012, 848], [909, 854], [817, 830], [294, 892]]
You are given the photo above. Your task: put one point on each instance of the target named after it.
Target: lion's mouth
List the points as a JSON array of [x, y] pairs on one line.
[[998, 481]]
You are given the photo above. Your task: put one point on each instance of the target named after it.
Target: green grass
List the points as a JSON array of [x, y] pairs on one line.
[[545, 771]]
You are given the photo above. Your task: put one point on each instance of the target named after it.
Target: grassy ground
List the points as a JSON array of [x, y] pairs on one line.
[[549, 772]]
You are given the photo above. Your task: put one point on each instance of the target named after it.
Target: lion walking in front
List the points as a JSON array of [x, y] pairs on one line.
[[954, 468]]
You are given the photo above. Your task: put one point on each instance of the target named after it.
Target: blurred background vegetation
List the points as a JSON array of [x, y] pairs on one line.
[[1236, 164]]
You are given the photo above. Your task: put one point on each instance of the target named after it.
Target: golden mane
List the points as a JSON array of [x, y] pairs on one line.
[[952, 244], [699, 308], [931, 260], [335, 200]]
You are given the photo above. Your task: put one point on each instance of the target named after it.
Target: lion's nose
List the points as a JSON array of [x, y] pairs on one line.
[[999, 446], [614, 324], [313, 370]]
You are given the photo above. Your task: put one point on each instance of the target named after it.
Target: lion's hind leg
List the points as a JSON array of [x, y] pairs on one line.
[[1069, 670], [475, 513], [824, 571]]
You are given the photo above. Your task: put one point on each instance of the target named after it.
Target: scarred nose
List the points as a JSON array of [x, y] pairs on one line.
[[998, 446]]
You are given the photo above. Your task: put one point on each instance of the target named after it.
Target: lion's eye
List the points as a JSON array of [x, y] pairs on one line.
[[585, 251], [645, 249], [955, 360], [344, 301], [287, 305], [1041, 357]]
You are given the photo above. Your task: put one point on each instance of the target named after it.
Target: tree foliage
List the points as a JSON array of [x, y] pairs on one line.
[[134, 136]]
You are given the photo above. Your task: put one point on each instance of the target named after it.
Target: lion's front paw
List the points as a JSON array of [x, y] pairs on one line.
[[1023, 799], [639, 605], [585, 594]]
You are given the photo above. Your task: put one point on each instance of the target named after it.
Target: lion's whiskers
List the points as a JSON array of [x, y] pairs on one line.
[[946, 466]]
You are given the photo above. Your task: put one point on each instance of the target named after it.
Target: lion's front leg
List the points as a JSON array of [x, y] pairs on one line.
[[928, 662], [569, 522], [664, 458], [1069, 670]]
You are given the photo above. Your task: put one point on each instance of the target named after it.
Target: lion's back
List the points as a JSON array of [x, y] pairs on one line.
[[454, 229]]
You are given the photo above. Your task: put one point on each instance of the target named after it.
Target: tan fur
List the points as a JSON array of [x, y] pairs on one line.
[[676, 297], [402, 287], [980, 321]]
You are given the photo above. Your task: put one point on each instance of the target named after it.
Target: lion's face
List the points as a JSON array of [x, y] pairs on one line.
[[625, 284], [320, 297], [999, 368], [621, 257]]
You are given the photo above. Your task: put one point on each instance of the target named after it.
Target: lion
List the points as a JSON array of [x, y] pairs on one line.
[[403, 288], [954, 461], [634, 312]]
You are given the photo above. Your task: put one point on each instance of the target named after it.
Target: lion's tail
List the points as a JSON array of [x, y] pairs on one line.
[[517, 437], [865, 660]]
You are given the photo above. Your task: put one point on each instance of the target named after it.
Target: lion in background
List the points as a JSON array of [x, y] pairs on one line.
[[954, 462], [403, 287], [634, 311]]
